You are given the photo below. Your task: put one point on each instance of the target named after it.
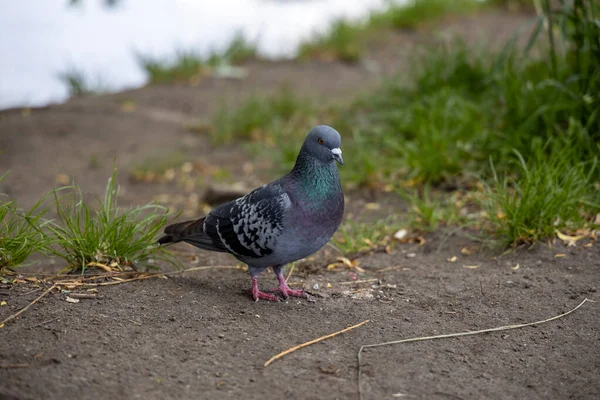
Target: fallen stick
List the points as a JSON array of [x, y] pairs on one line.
[[43, 323], [288, 351], [15, 315], [7, 366], [84, 296], [146, 276], [359, 281], [287, 278], [459, 334]]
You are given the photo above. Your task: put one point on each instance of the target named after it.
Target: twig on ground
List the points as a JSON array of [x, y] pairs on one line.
[[7, 366], [288, 351], [15, 315], [100, 265], [360, 281], [43, 323], [84, 296], [145, 276], [31, 291], [390, 268], [290, 272], [452, 335]]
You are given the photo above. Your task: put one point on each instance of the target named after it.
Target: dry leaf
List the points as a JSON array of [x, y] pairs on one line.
[[128, 106], [452, 259], [569, 240], [62, 179], [516, 267], [465, 251], [588, 245], [72, 300], [1, 326], [372, 206]]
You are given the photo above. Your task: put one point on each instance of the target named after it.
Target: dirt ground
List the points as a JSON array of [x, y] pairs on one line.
[[199, 335]]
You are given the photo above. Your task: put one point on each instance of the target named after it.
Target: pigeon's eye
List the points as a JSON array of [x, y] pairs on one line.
[[320, 141]]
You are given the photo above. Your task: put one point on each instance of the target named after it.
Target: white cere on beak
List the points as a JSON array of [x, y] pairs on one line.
[[337, 155]]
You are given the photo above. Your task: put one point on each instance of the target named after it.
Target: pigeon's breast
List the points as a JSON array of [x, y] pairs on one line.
[[308, 230]]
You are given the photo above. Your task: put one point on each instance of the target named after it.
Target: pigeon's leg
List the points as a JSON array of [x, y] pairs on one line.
[[283, 288], [257, 294]]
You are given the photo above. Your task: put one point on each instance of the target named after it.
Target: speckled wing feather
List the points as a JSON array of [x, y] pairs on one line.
[[250, 225]]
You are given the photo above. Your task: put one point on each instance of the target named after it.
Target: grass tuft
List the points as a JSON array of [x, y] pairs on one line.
[[108, 234], [416, 12], [79, 85], [189, 65], [354, 236], [342, 42], [552, 192], [259, 118], [19, 237]]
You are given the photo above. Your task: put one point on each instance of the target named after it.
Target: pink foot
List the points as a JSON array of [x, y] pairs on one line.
[[285, 290], [257, 294]]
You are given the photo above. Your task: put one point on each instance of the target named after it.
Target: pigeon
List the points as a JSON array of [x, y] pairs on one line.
[[280, 222]]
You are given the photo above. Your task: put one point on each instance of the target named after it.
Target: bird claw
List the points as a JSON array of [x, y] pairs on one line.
[[257, 294], [287, 292]]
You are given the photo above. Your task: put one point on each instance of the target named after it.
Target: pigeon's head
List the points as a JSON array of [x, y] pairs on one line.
[[323, 142]]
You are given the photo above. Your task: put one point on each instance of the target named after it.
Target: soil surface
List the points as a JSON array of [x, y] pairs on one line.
[[199, 334]]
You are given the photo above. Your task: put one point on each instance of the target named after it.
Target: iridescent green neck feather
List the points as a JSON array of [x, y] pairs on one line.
[[316, 180]]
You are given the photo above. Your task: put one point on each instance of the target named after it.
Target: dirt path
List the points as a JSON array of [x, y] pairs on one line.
[[201, 336]]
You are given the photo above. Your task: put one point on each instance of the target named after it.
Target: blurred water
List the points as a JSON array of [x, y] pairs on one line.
[[41, 38]]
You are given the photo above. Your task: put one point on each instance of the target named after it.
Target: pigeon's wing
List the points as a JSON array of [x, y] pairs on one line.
[[191, 232], [251, 225]]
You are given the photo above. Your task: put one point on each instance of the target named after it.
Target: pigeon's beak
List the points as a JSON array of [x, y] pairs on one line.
[[337, 155]]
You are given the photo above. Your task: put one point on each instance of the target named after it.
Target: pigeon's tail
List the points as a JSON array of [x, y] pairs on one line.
[[191, 232]]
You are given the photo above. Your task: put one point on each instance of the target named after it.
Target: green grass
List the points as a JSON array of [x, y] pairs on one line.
[[342, 42], [78, 84], [259, 118], [346, 40], [107, 233], [553, 191], [429, 209], [155, 167], [188, 65], [417, 12], [354, 236], [19, 237]]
